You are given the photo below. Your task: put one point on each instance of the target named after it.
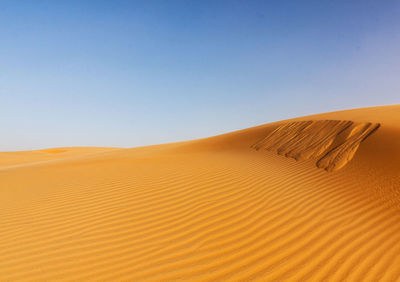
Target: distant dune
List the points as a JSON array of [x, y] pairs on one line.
[[246, 205], [24, 157]]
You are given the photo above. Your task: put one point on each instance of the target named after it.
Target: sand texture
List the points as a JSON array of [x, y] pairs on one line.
[[332, 142], [247, 205]]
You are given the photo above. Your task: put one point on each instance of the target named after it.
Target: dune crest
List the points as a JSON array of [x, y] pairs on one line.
[[332, 143]]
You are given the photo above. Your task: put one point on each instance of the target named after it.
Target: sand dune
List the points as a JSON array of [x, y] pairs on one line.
[[213, 208]]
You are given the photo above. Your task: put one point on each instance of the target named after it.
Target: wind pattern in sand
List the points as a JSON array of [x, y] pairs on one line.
[[332, 143], [207, 210]]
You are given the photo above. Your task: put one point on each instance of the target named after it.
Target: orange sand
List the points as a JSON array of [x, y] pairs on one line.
[[214, 208]]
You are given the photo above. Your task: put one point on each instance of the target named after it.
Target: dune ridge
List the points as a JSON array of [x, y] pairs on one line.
[[212, 209], [332, 143]]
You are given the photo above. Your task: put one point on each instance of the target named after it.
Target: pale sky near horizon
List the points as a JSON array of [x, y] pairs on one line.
[[132, 73]]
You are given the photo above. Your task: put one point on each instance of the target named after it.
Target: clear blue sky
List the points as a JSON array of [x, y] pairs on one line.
[[131, 73]]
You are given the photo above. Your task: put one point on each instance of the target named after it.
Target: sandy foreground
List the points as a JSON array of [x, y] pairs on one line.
[[307, 199]]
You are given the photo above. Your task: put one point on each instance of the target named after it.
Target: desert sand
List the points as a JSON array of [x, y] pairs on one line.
[[313, 198]]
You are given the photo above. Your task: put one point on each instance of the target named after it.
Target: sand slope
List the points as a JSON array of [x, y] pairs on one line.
[[332, 142], [215, 208]]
